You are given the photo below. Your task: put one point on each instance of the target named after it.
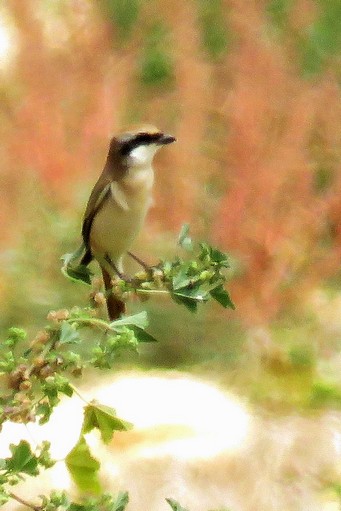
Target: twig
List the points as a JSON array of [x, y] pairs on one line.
[[24, 503], [76, 391]]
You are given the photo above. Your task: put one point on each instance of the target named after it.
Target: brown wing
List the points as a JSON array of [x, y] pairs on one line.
[[99, 195]]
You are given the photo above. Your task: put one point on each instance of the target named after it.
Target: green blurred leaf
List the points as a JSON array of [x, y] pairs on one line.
[[325, 394], [322, 39], [301, 356], [103, 418], [15, 335], [123, 14], [278, 11], [214, 32], [324, 178], [83, 467], [156, 67], [23, 459], [184, 239], [4, 497], [44, 411], [121, 502], [45, 457], [175, 505]]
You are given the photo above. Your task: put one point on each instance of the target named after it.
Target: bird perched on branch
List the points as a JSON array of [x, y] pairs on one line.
[[119, 203]]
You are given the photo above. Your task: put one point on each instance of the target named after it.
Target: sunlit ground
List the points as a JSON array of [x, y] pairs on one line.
[[173, 415], [196, 443]]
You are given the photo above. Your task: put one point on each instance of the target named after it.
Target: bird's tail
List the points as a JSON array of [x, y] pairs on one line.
[[115, 306]]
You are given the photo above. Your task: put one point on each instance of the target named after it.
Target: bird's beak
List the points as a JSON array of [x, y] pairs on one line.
[[166, 139]]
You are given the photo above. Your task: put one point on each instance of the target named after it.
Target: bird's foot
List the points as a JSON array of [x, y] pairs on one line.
[[144, 265], [119, 273]]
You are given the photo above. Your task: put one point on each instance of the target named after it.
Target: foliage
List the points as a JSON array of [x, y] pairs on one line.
[[123, 14], [187, 282], [257, 115], [38, 375], [214, 33], [156, 67]]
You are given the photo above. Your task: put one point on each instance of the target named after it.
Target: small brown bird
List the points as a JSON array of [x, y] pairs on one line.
[[119, 202]]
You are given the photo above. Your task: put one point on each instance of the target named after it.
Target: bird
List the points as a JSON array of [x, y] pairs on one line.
[[118, 204]]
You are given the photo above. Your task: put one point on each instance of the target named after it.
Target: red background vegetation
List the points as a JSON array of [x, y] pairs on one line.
[[257, 165]]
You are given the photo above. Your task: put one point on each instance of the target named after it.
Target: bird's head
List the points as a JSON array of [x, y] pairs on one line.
[[137, 147]]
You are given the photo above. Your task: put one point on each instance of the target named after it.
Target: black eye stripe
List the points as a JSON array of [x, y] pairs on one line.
[[139, 139]]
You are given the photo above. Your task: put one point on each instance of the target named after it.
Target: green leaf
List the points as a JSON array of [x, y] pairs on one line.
[[139, 320], [213, 255], [184, 240], [175, 505], [83, 467], [4, 497], [325, 394], [279, 11], [15, 335], [214, 30], [156, 64], [70, 258], [77, 507], [76, 273], [121, 501], [197, 293], [103, 418], [44, 411], [122, 13], [22, 460], [181, 278], [189, 303], [45, 457], [221, 295], [143, 336], [68, 334], [79, 273]]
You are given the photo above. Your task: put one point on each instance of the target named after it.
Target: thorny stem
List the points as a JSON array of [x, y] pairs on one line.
[[24, 502]]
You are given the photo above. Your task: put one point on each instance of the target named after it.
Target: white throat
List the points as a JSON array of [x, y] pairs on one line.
[[142, 156]]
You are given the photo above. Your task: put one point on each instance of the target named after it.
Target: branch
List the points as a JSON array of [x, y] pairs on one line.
[[24, 503]]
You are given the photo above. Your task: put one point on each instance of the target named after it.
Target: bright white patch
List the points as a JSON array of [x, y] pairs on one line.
[[215, 420], [142, 155], [7, 40]]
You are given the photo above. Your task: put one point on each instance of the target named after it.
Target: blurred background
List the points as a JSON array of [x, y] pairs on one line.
[[252, 92]]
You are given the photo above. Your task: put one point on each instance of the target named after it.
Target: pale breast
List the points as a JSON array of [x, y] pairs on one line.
[[119, 221]]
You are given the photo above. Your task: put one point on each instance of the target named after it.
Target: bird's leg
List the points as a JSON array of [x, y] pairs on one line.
[[121, 275], [139, 261]]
